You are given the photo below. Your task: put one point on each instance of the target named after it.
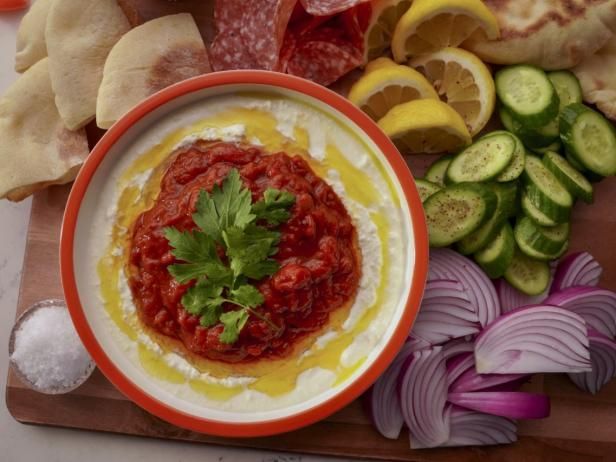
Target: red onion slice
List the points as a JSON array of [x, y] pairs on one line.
[[458, 366], [470, 380], [510, 404], [382, 399], [448, 264], [603, 358], [423, 394], [457, 347], [596, 306], [511, 298], [470, 428], [446, 313], [576, 269], [533, 339]]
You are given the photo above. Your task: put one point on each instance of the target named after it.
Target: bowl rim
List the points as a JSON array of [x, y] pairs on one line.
[[324, 408]]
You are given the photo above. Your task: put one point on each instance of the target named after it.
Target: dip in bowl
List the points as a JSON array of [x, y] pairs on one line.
[[244, 253]]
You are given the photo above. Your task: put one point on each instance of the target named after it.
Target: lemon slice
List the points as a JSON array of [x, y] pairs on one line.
[[383, 19], [425, 126], [379, 63], [463, 81], [385, 85], [430, 25]]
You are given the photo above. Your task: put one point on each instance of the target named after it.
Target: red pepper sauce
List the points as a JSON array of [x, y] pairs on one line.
[[318, 254]]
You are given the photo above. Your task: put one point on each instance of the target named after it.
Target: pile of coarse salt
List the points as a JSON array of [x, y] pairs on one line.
[[47, 350]]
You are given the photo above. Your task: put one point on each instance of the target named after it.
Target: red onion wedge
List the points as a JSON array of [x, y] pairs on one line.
[[603, 358], [382, 399], [423, 394], [511, 298], [576, 269], [533, 339], [458, 365], [510, 404], [448, 264], [470, 380], [596, 306], [457, 347], [470, 428], [446, 313]]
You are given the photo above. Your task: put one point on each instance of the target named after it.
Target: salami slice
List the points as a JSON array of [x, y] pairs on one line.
[[250, 34], [329, 7], [323, 56]]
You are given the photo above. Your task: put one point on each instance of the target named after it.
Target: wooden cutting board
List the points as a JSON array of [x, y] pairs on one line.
[[581, 427]]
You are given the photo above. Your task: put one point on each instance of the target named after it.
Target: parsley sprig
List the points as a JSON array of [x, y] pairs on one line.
[[227, 219]]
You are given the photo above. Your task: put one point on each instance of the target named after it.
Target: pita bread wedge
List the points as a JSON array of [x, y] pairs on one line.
[[597, 75], [79, 35], [31, 46], [552, 34], [36, 150], [147, 59]]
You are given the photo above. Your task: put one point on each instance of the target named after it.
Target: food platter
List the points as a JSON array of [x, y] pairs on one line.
[[571, 411]]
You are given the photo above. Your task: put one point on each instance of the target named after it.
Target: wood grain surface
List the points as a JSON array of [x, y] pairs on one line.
[[581, 427]]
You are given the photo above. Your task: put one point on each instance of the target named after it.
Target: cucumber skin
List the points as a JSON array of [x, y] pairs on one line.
[[536, 215], [552, 209], [540, 266], [568, 117], [571, 185], [530, 120], [489, 199], [496, 268], [528, 235], [530, 137]]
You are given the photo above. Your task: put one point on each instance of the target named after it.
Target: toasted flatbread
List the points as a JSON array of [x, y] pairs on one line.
[[31, 46], [552, 34], [597, 75], [147, 59], [36, 150], [79, 36]]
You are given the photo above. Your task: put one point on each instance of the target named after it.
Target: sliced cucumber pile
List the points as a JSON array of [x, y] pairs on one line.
[[507, 198]]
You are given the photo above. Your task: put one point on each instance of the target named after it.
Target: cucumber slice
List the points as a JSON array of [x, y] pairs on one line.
[[531, 137], [516, 166], [528, 94], [487, 232], [556, 146], [541, 256], [574, 163], [545, 191], [567, 87], [436, 171], [426, 188], [483, 160], [508, 195], [456, 211], [569, 177], [544, 240], [495, 258], [534, 213], [590, 138], [529, 276]]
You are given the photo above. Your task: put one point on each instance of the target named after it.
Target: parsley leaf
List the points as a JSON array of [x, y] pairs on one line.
[[274, 206], [225, 207], [226, 220], [249, 250], [247, 295], [233, 321]]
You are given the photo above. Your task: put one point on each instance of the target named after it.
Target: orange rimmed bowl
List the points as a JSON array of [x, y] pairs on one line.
[[87, 208]]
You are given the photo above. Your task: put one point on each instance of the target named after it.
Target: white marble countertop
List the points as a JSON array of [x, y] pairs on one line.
[[22, 443]]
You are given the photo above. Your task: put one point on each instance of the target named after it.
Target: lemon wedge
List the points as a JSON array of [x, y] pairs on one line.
[[430, 25], [463, 81], [386, 85], [379, 63], [383, 19], [425, 126]]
